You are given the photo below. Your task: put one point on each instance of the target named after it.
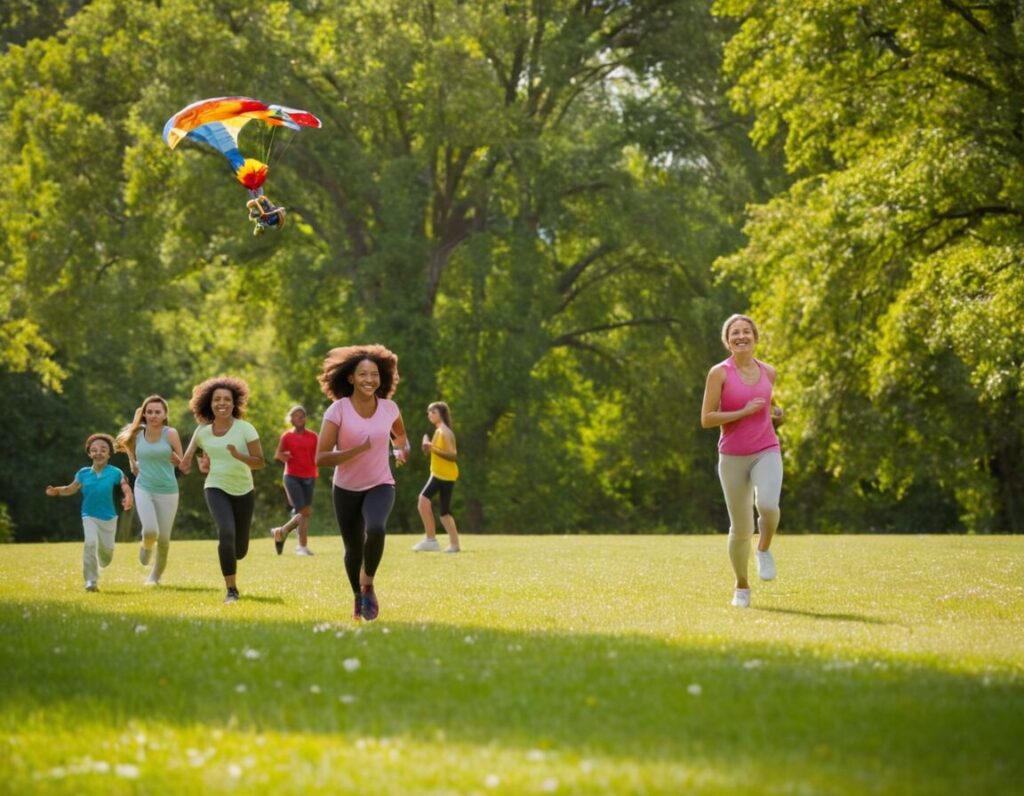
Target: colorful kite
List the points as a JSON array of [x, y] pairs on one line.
[[217, 122]]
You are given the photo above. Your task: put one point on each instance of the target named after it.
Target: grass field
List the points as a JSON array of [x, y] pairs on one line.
[[523, 665]]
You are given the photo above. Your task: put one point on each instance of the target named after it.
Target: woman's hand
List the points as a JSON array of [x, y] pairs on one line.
[[754, 405]]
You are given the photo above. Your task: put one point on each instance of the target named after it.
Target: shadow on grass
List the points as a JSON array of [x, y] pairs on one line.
[[784, 712], [869, 620]]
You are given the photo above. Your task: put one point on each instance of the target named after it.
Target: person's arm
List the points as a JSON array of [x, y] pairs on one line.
[[327, 454], [175, 442], [451, 454], [133, 463], [777, 413], [254, 458], [185, 461], [399, 441], [67, 489], [280, 454], [126, 501], [710, 413]]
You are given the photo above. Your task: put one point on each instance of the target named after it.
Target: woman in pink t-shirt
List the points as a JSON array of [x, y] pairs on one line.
[[738, 399], [354, 437]]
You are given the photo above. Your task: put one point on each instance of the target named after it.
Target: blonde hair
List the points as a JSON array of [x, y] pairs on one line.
[[126, 436], [733, 319]]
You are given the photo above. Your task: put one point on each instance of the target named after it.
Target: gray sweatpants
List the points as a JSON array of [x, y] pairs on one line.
[[750, 482], [99, 546], [156, 511]]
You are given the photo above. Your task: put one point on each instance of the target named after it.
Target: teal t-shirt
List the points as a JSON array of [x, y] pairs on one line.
[[98, 491], [156, 473], [227, 472]]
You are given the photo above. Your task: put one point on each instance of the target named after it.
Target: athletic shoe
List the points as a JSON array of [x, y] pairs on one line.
[[357, 609], [152, 580], [231, 596], [303, 551], [91, 585], [452, 549], [741, 598], [370, 607], [426, 545], [278, 540], [145, 553], [765, 564]]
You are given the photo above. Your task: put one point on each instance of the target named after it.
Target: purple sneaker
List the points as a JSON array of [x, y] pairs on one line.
[[370, 606], [357, 609]]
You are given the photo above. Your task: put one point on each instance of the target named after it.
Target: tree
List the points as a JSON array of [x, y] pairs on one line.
[[888, 276]]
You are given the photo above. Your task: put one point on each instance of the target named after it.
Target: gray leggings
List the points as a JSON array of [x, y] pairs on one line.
[[750, 482]]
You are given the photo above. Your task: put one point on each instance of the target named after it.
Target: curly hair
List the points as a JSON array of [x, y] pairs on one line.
[[126, 436], [105, 437], [340, 363], [202, 397]]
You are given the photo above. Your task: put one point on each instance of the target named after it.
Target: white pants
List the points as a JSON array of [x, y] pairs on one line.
[[156, 511], [750, 482], [99, 546]]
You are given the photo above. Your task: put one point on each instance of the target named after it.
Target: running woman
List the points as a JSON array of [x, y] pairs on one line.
[[297, 450], [354, 439], [738, 399], [444, 472], [153, 447]]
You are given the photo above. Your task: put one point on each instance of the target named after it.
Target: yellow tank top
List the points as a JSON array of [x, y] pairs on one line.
[[442, 468]]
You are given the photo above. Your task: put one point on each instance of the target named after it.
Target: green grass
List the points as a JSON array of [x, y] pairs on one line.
[[523, 665]]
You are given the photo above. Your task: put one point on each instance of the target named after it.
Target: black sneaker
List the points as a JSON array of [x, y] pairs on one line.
[[370, 606], [231, 596], [357, 609]]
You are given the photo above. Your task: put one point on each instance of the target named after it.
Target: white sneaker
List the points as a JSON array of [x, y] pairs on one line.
[[152, 580], [91, 585], [426, 545], [741, 598], [303, 551], [452, 549], [765, 564]]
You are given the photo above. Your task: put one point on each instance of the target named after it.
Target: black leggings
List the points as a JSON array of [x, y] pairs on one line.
[[232, 514], [362, 519]]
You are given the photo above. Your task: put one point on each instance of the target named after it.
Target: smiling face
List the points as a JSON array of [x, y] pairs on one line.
[[155, 413], [99, 452], [222, 403], [298, 419], [366, 378], [741, 336]]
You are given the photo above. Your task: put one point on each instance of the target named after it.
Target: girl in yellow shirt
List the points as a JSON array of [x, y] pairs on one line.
[[444, 472]]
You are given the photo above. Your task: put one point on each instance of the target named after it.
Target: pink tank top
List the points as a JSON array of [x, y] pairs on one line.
[[753, 433], [370, 468]]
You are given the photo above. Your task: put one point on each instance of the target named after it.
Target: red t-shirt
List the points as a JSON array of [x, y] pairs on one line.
[[302, 464]]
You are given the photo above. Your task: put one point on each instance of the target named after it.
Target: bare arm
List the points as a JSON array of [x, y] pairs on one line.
[[254, 458], [326, 453], [185, 460], [399, 441], [451, 454], [127, 500], [67, 489], [711, 414], [280, 454]]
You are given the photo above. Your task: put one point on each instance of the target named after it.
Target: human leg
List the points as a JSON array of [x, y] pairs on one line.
[[243, 507], [105, 538], [447, 520], [166, 506], [766, 477], [348, 512], [90, 563], [733, 472], [150, 523], [219, 503]]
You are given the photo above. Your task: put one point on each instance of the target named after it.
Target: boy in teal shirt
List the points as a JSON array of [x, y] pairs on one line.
[[99, 517]]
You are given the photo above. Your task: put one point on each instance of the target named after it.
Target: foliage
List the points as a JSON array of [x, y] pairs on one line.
[[888, 276], [522, 199]]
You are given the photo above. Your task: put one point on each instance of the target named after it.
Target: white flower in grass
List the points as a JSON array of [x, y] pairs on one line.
[[126, 771], [240, 688], [385, 630], [753, 663], [694, 689], [550, 785], [314, 689], [346, 699], [612, 654], [251, 654], [469, 640], [492, 781], [140, 629], [322, 627], [58, 650], [235, 771], [535, 756], [351, 664]]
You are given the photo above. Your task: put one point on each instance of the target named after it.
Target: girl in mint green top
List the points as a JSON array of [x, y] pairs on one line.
[[232, 451], [153, 448]]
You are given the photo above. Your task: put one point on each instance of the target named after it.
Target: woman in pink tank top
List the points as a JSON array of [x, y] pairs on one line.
[[355, 435], [738, 400]]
